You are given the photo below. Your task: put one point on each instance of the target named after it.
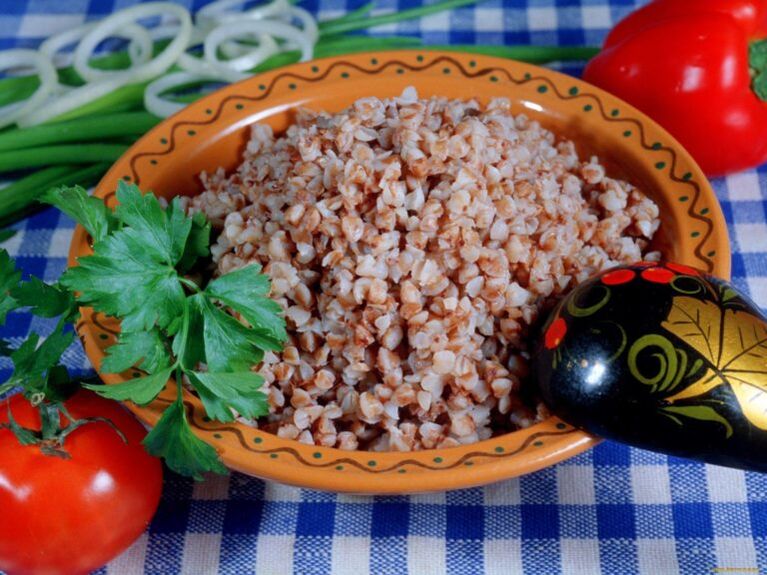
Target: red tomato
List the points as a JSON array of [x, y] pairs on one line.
[[70, 516]]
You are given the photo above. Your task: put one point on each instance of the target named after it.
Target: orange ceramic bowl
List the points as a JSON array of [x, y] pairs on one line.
[[213, 132]]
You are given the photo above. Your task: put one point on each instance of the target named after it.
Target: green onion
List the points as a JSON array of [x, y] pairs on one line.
[[370, 21], [359, 13], [81, 130], [18, 199], [531, 54], [65, 154]]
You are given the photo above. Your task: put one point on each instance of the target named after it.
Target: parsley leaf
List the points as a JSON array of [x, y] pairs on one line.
[[145, 349], [222, 392], [163, 233], [34, 365], [198, 243], [185, 453], [122, 279], [229, 345], [141, 390], [45, 300], [245, 290], [9, 279], [91, 213]]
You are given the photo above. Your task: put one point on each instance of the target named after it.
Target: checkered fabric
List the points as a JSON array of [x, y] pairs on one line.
[[612, 510]]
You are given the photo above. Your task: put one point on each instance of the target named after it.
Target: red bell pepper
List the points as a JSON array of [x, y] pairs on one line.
[[698, 67]]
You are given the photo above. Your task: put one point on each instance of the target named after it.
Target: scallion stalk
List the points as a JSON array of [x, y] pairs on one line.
[[19, 198], [64, 154], [80, 130], [341, 26]]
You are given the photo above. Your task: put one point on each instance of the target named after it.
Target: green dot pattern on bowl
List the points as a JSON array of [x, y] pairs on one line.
[[103, 336], [401, 471], [127, 178], [656, 146], [344, 74], [191, 132], [683, 198], [239, 106], [135, 374], [695, 234], [614, 112], [542, 89], [493, 78], [153, 162], [588, 108], [208, 111], [528, 76], [499, 449], [711, 254], [374, 61], [419, 57], [561, 426], [704, 211], [315, 69], [573, 91], [472, 64], [371, 463], [445, 70], [687, 176], [261, 87], [339, 467], [538, 443], [292, 86], [317, 455], [438, 460], [627, 134], [258, 440], [400, 70], [163, 140], [660, 165], [217, 435], [273, 455]]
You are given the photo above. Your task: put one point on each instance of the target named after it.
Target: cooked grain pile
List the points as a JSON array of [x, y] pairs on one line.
[[412, 243]]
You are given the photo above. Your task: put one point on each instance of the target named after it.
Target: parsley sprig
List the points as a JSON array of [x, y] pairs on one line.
[[143, 271]]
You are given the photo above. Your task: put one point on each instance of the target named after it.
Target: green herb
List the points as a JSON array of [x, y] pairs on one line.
[[37, 368], [144, 258]]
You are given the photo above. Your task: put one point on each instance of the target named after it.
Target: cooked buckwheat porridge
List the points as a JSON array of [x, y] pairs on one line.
[[412, 244]]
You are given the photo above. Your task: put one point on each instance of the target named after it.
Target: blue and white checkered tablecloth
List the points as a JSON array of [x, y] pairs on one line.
[[612, 510]]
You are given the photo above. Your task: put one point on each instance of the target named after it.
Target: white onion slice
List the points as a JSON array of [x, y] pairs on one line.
[[266, 47], [157, 105], [71, 100], [109, 27], [201, 67], [220, 12], [9, 59], [139, 49], [253, 28], [308, 22]]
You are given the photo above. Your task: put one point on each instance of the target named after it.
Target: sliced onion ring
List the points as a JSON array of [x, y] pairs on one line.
[[139, 49], [220, 12], [247, 61], [157, 105], [9, 59], [118, 21], [202, 67], [71, 100], [255, 27]]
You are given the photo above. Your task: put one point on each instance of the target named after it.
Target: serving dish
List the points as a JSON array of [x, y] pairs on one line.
[[213, 131]]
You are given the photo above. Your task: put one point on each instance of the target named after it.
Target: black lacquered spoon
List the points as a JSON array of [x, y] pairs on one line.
[[663, 357]]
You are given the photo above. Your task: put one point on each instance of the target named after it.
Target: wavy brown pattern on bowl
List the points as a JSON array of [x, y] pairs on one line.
[[201, 423]]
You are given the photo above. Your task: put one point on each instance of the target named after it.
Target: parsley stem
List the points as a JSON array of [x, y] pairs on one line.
[[190, 284]]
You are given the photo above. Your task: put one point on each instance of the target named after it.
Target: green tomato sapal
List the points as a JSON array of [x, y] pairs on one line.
[[663, 357]]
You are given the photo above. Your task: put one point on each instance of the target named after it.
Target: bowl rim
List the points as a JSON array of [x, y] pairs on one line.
[[267, 456]]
